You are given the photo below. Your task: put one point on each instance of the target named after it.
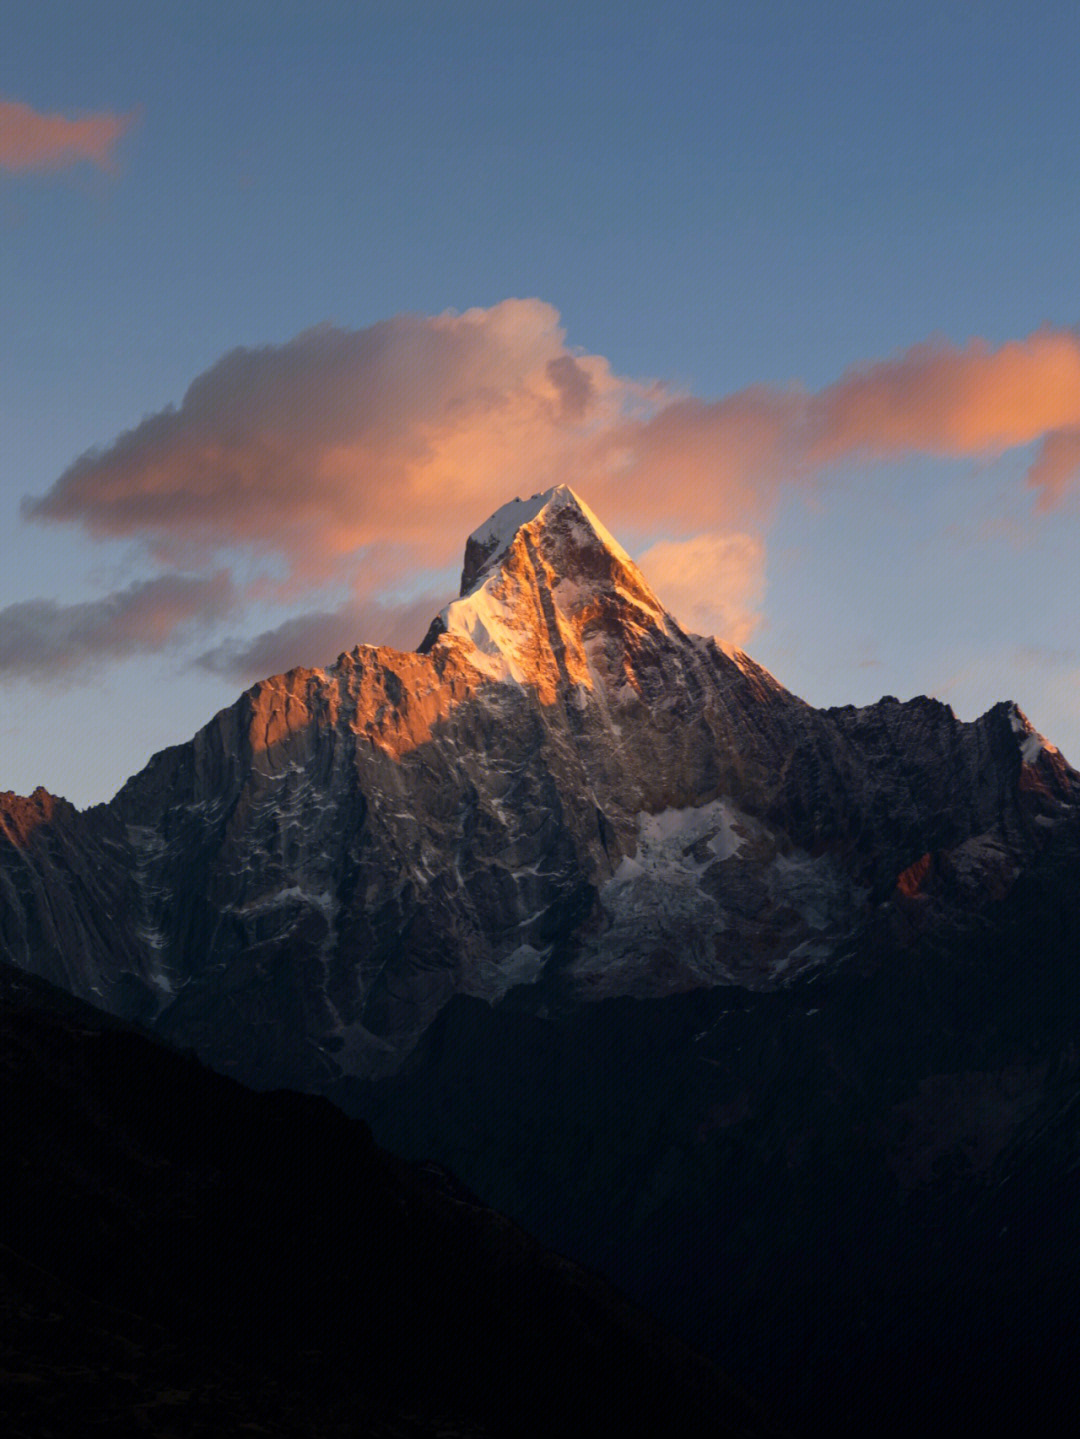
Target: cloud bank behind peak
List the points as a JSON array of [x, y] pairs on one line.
[[405, 434]]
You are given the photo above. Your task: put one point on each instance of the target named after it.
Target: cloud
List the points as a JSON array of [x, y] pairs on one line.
[[935, 399], [712, 584], [316, 639], [42, 639], [394, 441], [1056, 468], [32, 141], [945, 400], [338, 439]]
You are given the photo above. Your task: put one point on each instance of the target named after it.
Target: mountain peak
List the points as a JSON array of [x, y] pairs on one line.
[[542, 580], [490, 541]]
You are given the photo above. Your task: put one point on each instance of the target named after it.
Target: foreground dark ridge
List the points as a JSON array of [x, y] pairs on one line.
[[181, 1255]]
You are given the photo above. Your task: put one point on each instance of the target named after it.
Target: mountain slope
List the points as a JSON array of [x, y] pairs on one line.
[[181, 1255], [858, 1191]]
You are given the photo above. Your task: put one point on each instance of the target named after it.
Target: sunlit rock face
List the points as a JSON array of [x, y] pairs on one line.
[[560, 785]]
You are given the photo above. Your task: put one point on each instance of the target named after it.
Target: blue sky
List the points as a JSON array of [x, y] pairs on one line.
[[714, 196]]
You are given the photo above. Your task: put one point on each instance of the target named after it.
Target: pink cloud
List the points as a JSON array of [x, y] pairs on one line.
[[364, 455], [30, 140], [712, 584]]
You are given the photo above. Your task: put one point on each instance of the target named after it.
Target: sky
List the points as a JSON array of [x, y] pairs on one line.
[[292, 296]]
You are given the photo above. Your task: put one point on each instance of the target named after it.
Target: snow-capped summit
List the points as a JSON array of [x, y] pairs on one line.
[[544, 589], [489, 542]]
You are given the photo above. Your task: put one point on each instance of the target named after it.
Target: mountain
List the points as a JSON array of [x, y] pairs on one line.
[[559, 779], [182, 1255], [768, 1011]]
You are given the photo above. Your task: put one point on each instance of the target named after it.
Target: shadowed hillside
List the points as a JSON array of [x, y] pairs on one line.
[[183, 1256]]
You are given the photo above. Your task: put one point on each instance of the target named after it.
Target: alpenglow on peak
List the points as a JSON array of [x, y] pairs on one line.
[[541, 577], [490, 541]]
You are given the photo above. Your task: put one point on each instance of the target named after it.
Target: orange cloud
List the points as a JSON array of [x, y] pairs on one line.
[[941, 399], [935, 399], [712, 584], [394, 441], [30, 140]]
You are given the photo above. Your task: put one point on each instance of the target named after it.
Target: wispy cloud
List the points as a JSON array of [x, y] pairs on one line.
[[318, 637], [42, 639], [32, 141]]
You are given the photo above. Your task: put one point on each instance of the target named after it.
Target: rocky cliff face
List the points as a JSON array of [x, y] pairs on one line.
[[559, 781]]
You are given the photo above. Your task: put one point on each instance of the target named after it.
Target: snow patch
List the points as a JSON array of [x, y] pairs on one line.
[[1032, 743], [674, 848], [659, 890], [675, 832]]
